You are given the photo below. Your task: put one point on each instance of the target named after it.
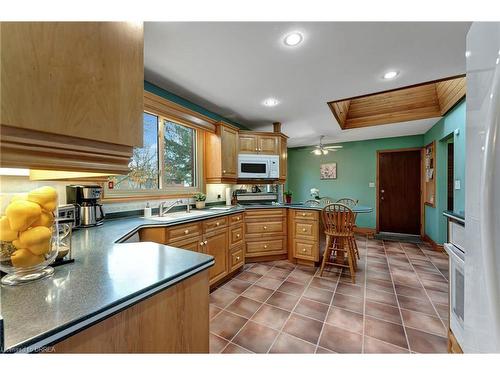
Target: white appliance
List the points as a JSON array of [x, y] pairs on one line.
[[482, 201], [258, 166], [457, 290]]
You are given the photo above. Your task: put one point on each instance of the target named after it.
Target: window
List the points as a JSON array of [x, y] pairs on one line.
[[167, 162]]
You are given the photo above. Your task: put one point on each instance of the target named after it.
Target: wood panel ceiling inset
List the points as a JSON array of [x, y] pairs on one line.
[[425, 100]]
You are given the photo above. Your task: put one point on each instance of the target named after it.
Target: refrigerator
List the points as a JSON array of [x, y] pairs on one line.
[[481, 320]]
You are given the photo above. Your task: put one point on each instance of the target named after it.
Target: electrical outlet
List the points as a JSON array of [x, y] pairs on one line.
[[218, 196], [371, 184], [457, 184]]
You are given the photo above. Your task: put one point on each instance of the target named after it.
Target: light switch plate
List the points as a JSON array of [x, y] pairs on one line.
[[371, 184], [457, 184]]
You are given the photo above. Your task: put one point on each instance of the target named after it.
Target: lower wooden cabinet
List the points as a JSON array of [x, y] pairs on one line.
[[266, 247], [304, 227], [216, 245], [265, 233], [236, 258], [193, 244]]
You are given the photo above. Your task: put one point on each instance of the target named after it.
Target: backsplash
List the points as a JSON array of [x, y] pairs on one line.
[[11, 185]]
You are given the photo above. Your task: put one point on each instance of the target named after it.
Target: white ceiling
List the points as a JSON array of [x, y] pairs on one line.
[[230, 68]]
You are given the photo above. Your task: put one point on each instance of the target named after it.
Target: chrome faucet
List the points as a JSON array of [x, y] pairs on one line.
[[162, 210]]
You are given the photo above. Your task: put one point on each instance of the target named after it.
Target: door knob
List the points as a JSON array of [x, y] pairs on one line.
[[205, 242], [382, 191], [381, 198]]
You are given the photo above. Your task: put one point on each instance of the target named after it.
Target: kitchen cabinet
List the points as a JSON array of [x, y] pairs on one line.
[[265, 233], [222, 237], [216, 244], [175, 320], [221, 154], [283, 151], [72, 95], [258, 143], [304, 235]]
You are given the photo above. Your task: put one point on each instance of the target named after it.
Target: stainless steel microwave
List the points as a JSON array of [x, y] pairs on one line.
[[258, 166]]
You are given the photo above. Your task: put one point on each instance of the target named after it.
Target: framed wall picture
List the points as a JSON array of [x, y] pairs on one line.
[[328, 171]]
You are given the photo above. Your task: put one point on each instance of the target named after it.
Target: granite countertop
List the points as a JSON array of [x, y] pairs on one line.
[[108, 275]]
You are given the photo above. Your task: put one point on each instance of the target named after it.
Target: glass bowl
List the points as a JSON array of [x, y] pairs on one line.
[[29, 236]]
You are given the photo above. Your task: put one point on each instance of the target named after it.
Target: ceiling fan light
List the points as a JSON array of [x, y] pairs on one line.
[[325, 152], [317, 152]]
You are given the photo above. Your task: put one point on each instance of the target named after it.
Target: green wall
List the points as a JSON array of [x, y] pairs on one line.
[[356, 168], [148, 86], [435, 223]]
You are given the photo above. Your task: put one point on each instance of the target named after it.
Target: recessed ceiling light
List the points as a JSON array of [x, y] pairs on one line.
[[271, 102], [391, 74], [293, 39]]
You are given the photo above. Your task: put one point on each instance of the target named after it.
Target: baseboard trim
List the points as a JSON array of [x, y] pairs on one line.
[[370, 232], [435, 246]]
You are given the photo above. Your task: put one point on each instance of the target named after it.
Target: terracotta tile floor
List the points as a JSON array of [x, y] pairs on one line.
[[398, 305]]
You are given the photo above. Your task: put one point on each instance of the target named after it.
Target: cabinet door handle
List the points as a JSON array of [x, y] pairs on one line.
[[217, 223], [303, 250], [265, 227], [265, 246], [201, 243], [304, 229], [256, 149], [303, 214], [238, 218], [186, 231], [224, 171], [205, 242], [237, 258], [238, 235]]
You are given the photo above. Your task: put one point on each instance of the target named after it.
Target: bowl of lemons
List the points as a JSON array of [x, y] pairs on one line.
[[28, 236]]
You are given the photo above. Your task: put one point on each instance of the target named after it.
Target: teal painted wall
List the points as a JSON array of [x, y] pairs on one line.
[[148, 86], [435, 223], [356, 168]]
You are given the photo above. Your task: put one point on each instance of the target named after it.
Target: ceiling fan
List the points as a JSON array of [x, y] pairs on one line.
[[322, 149]]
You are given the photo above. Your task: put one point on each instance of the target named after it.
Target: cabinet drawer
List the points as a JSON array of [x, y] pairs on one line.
[[265, 247], [305, 214], [214, 224], [180, 232], [265, 213], [306, 229], [306, 250], [263, 227], [236, 219], [235, 235], [236, 258], [192, 243]]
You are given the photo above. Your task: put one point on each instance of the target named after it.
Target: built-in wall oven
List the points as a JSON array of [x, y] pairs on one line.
[[457, 291], [258, 166]]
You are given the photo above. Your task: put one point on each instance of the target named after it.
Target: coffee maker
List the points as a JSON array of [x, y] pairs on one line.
[[86, 199]]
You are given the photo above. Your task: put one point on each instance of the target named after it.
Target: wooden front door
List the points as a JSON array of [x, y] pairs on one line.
[[399, 191]]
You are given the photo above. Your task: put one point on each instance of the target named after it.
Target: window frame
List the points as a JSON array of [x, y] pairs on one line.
[[166, 191]]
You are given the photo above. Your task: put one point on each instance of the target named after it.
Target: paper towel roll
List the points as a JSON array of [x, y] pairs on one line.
[[228, 196]]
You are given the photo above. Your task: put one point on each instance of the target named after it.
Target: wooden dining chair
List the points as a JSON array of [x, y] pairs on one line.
[[325, 201], [338, 222], [349, 202], [312, 203]]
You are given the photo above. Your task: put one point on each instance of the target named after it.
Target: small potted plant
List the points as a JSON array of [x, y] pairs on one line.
[[288, 196], [200, 199]]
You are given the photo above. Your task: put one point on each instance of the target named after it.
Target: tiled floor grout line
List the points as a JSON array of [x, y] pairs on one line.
[[327, 311], [372, 258], [364, 297], [250, 319], [241, 295], [430, 259], [395, 294], [425, 291], [288, 318]]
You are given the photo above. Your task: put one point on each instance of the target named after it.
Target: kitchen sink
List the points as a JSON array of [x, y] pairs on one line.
[[170, 216]]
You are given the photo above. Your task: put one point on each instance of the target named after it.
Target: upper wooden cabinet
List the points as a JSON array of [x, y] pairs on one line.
[[221, 154], [258, 143], [72, 94], [283, 151]]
